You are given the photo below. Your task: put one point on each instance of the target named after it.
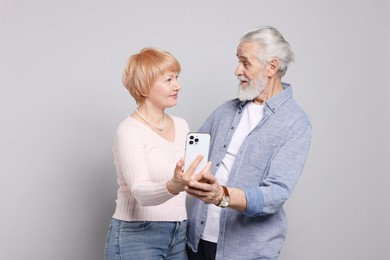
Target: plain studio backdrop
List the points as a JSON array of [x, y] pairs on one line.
[[62, 100]]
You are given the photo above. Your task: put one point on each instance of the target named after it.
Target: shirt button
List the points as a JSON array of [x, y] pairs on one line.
[[224, 146], [232, 127], [217, 164], [202, 222]]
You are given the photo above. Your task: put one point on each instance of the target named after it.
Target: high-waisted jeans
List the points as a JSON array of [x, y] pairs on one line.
[[149, 240]]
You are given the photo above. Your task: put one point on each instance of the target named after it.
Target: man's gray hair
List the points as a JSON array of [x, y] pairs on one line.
[[272, 45]]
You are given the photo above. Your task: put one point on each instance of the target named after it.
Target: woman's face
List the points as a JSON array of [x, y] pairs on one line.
[[164, 92]]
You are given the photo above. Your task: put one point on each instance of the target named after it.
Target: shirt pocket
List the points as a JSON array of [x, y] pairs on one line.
[[262, 150]]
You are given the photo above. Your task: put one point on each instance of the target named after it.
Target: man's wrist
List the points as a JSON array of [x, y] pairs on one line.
[[219, 199], [224, 201]]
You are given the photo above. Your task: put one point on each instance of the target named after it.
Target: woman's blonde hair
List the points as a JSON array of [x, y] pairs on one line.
[[144, 68]]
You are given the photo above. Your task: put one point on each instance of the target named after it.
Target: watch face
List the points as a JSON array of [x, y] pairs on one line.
[[225, 201]]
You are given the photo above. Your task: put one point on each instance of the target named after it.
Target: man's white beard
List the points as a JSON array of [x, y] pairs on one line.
[[253, 89]]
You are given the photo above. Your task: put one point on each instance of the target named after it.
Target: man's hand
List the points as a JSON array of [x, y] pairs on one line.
[[206, 188]]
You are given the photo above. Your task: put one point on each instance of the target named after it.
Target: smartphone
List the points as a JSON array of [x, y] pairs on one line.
[[196, 144]]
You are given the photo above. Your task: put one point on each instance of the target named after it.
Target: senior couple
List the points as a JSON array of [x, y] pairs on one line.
[[259, 143]]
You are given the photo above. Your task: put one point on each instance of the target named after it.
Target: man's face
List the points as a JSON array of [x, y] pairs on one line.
[[250, 71]]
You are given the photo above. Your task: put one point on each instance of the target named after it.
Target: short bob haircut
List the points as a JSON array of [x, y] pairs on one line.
[[144, 68], [272, 45]]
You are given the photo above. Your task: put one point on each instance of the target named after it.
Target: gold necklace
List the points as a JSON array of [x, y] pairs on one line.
[[160, 128]]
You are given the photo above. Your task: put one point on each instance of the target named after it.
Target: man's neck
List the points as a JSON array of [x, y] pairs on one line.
[[273, 88]]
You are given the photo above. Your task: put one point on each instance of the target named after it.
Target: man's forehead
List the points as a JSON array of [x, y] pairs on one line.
[[246, 50]]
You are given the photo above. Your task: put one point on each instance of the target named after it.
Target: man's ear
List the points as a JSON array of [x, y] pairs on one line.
[[273, 67]]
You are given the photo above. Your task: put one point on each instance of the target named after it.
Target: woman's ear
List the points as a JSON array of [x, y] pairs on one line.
[[273, 67], [143, 94]]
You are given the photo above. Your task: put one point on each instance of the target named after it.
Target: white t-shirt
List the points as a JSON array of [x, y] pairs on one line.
[[252, 115]]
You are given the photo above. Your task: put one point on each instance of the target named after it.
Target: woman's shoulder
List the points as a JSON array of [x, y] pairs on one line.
[[128, 121], [129, 124], [179, 121]]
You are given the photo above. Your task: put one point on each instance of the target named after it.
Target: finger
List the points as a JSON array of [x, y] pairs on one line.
[[208, 178], [194, 164], [203, 186], [180, 163], [206, 197], [206, 170], [195, 192]]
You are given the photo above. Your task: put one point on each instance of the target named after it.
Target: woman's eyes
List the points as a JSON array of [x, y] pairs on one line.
[[171, 78]]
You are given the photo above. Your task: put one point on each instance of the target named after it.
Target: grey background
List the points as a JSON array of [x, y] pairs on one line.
[[62, 99]]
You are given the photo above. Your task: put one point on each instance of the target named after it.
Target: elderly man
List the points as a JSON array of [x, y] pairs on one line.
[[259, 146]]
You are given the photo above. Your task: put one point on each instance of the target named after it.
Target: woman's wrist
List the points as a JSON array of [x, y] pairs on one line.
[[171, 188]]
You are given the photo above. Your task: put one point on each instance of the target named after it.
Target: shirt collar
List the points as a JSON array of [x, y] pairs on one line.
[[276, 101]]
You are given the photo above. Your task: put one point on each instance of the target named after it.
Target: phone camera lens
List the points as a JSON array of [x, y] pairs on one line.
[[196, 140], [191, 142], [191, 137]]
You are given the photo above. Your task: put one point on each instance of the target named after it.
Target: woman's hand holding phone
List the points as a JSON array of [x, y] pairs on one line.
[[181, 178]]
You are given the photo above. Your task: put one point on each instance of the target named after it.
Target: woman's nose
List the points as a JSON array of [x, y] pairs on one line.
[[177, 86]]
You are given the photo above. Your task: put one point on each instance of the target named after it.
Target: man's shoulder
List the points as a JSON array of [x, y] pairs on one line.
[[298, 111], [294, 116]]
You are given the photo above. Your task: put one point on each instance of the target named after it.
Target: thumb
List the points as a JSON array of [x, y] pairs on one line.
[[180, 164]]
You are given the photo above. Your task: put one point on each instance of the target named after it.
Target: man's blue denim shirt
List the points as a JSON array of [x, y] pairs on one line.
[[267, 167]]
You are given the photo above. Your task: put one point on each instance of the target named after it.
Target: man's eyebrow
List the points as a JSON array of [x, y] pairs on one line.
[[242, 57]]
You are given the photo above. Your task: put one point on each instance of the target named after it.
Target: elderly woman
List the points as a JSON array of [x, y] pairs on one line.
[[150, 217]]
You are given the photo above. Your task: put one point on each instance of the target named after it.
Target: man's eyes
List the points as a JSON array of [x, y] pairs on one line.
[[245, 64]]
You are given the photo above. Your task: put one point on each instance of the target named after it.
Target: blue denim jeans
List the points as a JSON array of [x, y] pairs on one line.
[[146, 240]]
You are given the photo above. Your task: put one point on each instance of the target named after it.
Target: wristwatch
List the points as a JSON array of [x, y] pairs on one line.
[[225, 198]]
